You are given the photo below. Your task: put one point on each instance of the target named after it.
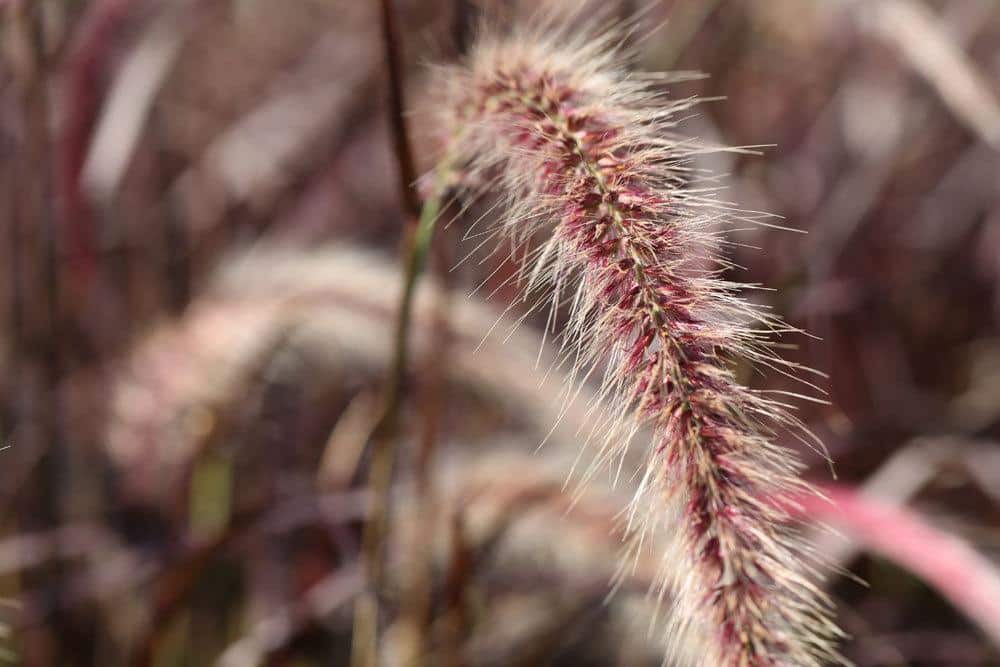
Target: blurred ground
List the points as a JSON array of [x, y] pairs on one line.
[[200, 219]]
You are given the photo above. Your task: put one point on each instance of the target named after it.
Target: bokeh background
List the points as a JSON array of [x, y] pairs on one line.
[[201, 223]]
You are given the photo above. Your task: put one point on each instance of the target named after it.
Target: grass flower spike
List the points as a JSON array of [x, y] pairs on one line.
[[593, 179]]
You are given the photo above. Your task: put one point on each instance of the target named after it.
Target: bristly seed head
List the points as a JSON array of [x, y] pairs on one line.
[[585, 157]]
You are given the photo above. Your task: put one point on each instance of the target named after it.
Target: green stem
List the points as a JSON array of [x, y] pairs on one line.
[[383, 438], [416, 259]]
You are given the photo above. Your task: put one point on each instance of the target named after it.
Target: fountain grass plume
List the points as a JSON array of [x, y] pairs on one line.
[[609, 217]]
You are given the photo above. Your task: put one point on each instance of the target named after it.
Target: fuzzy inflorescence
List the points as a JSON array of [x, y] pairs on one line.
[[591, 176]]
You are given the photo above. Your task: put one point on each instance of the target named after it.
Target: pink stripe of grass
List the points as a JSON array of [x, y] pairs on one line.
[[946, 562]]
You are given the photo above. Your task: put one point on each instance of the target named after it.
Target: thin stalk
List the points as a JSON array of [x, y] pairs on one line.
[[397, 104], [364, 652], [383, 442], [416, 604]]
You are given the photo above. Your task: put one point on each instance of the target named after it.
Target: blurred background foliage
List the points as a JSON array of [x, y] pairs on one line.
[[200, 224]]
